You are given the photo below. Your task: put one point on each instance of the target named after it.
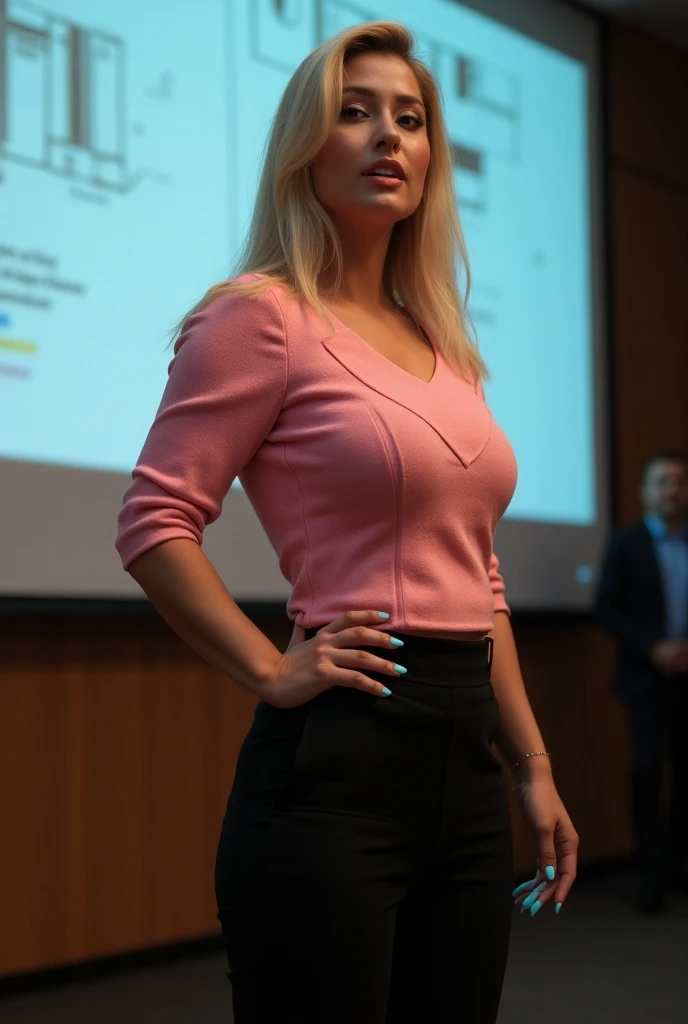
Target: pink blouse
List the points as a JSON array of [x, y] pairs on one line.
[[376, 490]]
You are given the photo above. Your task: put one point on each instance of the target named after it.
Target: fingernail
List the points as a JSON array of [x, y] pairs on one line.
[[396, 643], [387, 693], [520, 888], [383, 615], [550, 872], [535, 907], [400, 668], [529, 900], [557, 908]]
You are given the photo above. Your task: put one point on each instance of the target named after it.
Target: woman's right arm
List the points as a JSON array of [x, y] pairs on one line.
[[190, 596], [182, 584], [224, 393]]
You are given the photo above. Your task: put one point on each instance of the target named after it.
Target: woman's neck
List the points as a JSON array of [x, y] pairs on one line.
[[363, 261]]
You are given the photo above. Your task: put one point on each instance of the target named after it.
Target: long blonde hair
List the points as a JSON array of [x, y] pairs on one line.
[[292, 239]]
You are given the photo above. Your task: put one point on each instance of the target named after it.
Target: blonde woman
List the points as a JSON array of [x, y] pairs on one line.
[[365, 863]]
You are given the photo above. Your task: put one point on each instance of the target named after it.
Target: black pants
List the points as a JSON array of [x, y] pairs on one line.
[[364, 870], [658, 722]]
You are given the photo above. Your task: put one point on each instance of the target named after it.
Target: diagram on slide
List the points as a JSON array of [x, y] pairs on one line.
[[481, 102], [63, 98]]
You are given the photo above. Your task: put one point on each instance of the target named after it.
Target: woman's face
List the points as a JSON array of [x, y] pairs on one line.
[[382, 116]]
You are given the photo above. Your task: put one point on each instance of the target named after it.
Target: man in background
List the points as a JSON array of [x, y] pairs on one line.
[[643, 601]]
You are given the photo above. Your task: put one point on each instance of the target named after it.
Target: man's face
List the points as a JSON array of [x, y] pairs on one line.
[[664, 491]]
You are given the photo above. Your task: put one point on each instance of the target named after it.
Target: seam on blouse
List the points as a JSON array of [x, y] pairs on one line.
[[309, 617], [487, 441], [397, 484], [305, 530], [286, 344]]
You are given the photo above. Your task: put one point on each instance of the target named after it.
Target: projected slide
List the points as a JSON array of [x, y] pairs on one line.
[[114, 195], [130, 143]]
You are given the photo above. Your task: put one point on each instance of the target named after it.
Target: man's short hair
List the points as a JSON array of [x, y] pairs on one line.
[[667, 456]]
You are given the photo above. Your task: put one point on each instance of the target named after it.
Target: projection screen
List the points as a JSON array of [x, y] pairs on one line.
[[130, 143]]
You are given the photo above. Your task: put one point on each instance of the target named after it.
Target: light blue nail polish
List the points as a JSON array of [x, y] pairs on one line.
[[535, 907], [396, 643], [557, 908], [383, 615], [387, 693], [400, 668], [529, 900], [550, 872], [520, 888]]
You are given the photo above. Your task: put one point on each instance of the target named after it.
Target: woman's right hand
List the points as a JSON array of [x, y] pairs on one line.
[[330, 659]]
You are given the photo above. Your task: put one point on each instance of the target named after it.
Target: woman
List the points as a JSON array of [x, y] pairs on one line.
[[364, 867]]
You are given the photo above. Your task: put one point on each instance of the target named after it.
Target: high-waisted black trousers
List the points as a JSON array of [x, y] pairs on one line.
[[364, 870]]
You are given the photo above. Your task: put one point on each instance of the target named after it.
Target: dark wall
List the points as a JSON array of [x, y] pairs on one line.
[[117, 744], [648, 162]]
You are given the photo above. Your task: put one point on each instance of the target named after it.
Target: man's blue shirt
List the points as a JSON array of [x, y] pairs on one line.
[[671, 550]]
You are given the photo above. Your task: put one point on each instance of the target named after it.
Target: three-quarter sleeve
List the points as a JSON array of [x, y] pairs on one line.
[[495, 577], [225, 388]]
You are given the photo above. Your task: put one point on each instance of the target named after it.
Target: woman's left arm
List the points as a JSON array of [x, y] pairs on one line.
[[545, 814]]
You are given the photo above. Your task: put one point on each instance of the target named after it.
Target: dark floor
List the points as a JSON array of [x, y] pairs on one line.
[[598, 962]]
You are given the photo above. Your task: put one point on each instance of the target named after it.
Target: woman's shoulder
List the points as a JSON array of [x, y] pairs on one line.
[[260, 284], [242, 312], [250, 296]]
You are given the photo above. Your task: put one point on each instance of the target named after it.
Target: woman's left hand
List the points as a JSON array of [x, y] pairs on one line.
[[557, 842]]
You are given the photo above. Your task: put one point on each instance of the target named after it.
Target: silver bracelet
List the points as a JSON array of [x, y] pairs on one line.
[[533, 753]]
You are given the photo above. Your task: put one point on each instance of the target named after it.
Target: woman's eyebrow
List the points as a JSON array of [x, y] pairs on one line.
[[364, 90]]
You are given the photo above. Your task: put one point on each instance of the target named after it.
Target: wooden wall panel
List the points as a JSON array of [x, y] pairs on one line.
[[648, 105], [117, 752], [650, 281], [648, 153], [567, 668]]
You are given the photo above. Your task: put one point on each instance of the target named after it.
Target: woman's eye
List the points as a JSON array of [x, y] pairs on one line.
[[416, 119]]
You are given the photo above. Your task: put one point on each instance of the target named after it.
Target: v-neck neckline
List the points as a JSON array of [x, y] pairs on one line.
[[395, 366]]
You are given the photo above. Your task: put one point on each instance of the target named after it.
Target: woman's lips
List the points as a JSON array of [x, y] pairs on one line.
[[385, 180]]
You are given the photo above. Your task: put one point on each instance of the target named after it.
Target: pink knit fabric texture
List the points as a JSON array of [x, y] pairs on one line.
[[376, 489]]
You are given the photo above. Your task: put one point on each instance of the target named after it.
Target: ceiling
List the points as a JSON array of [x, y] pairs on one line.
[[667, 19]]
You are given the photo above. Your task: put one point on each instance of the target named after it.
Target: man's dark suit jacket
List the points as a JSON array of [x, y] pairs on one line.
[[630, 604]]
